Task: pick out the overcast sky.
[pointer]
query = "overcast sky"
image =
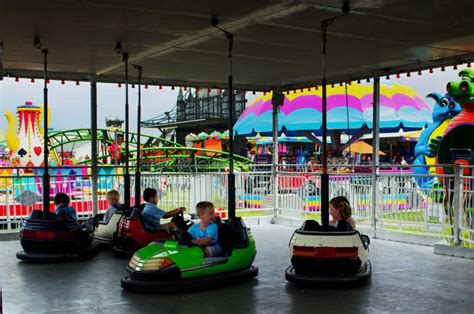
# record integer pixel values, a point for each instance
(70, 104)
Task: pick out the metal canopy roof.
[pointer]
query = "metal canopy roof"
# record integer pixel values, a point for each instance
(276, 43)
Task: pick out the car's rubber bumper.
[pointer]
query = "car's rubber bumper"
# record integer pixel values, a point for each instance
(58, 257)
(171, 285)
(317, 279)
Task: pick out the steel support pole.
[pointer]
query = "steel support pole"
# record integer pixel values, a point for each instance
(275, 110)
(375, 151)
(231, 187)
(46, 177)
(127, 141)
(139, 116)
(94, 170)
(457, 202)
(324, 175)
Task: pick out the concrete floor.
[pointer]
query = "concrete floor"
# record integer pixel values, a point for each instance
(406, 278)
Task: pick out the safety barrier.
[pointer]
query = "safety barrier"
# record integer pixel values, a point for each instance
(436, 204)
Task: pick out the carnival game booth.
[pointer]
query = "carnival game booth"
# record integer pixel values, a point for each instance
(292, 151)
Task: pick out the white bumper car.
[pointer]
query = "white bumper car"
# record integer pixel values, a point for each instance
(319, 257)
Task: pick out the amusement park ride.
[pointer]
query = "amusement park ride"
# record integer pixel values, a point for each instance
(316, 255)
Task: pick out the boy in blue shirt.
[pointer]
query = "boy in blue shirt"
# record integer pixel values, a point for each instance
(113, 197)
(61, 201)
(205, 233)
(152, 214)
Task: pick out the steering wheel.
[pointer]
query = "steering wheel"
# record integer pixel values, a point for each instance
(183, 236)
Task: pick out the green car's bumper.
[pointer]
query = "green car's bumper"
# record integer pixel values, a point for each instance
(171, 281)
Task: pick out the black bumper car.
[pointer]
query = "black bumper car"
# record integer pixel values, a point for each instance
(49, 238)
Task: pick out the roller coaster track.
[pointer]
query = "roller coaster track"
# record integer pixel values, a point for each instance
(155, 151)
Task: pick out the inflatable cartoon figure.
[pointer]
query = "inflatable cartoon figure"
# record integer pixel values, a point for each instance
(458, 134)
(26, 142)
(444, 110)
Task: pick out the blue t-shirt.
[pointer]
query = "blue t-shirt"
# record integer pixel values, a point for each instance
(210, 231)
(68, 209)
(151, 216)
(110, 212)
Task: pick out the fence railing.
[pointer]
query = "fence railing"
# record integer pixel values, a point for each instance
(427, 203)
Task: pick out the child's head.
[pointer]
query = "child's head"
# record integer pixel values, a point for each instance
(113, 197)
(340, 208)
(61, 199)
(205, 211)
(150, 196)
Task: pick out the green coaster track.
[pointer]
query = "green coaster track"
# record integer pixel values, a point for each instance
(156, 153)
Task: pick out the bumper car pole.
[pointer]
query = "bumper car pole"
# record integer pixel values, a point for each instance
(119, 49)
(139, 113)
(325, 176)
(46, 178)
(231, 176)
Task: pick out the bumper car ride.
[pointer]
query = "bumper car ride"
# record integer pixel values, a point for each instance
(171, 266)
(328, 257)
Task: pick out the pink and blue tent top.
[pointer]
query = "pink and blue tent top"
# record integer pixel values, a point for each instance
(401, 107)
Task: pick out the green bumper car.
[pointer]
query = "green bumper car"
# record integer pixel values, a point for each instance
(170, 266)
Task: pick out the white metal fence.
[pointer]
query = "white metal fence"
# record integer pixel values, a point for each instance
(437, 205)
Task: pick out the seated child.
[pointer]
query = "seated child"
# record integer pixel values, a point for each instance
(113, 197)
(61, 201)
(205, 233)
(340, 211)
(152, 214)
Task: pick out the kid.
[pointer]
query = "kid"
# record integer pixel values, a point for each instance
(205, 233)
(113, 197)
(152, 214)
(340, 211)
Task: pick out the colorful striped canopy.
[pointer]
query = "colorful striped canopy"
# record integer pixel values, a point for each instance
(400, 107)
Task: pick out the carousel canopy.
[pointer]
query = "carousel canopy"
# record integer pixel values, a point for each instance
(400, 107)
(276, 43)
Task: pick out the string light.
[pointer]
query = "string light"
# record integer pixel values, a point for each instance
(419, 72)
(455, 67)
(340, 84)
(17, 79)
(133, 85)
(332, 85)
(32, 80)
(264, 93)
(442, 69)
(387, 77)
(47, 81)
(368, 80)
(317, 87)
(309, 89)
(358, 81)
(77, 83)
(172, 87)
(431, 71)
(146, 86)
(253, 92)
(408, 74)
(469, 65)
(398, 75)
(119, 85)
(63, 82)
(160, 87)
(185, 88)
(208, 90)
